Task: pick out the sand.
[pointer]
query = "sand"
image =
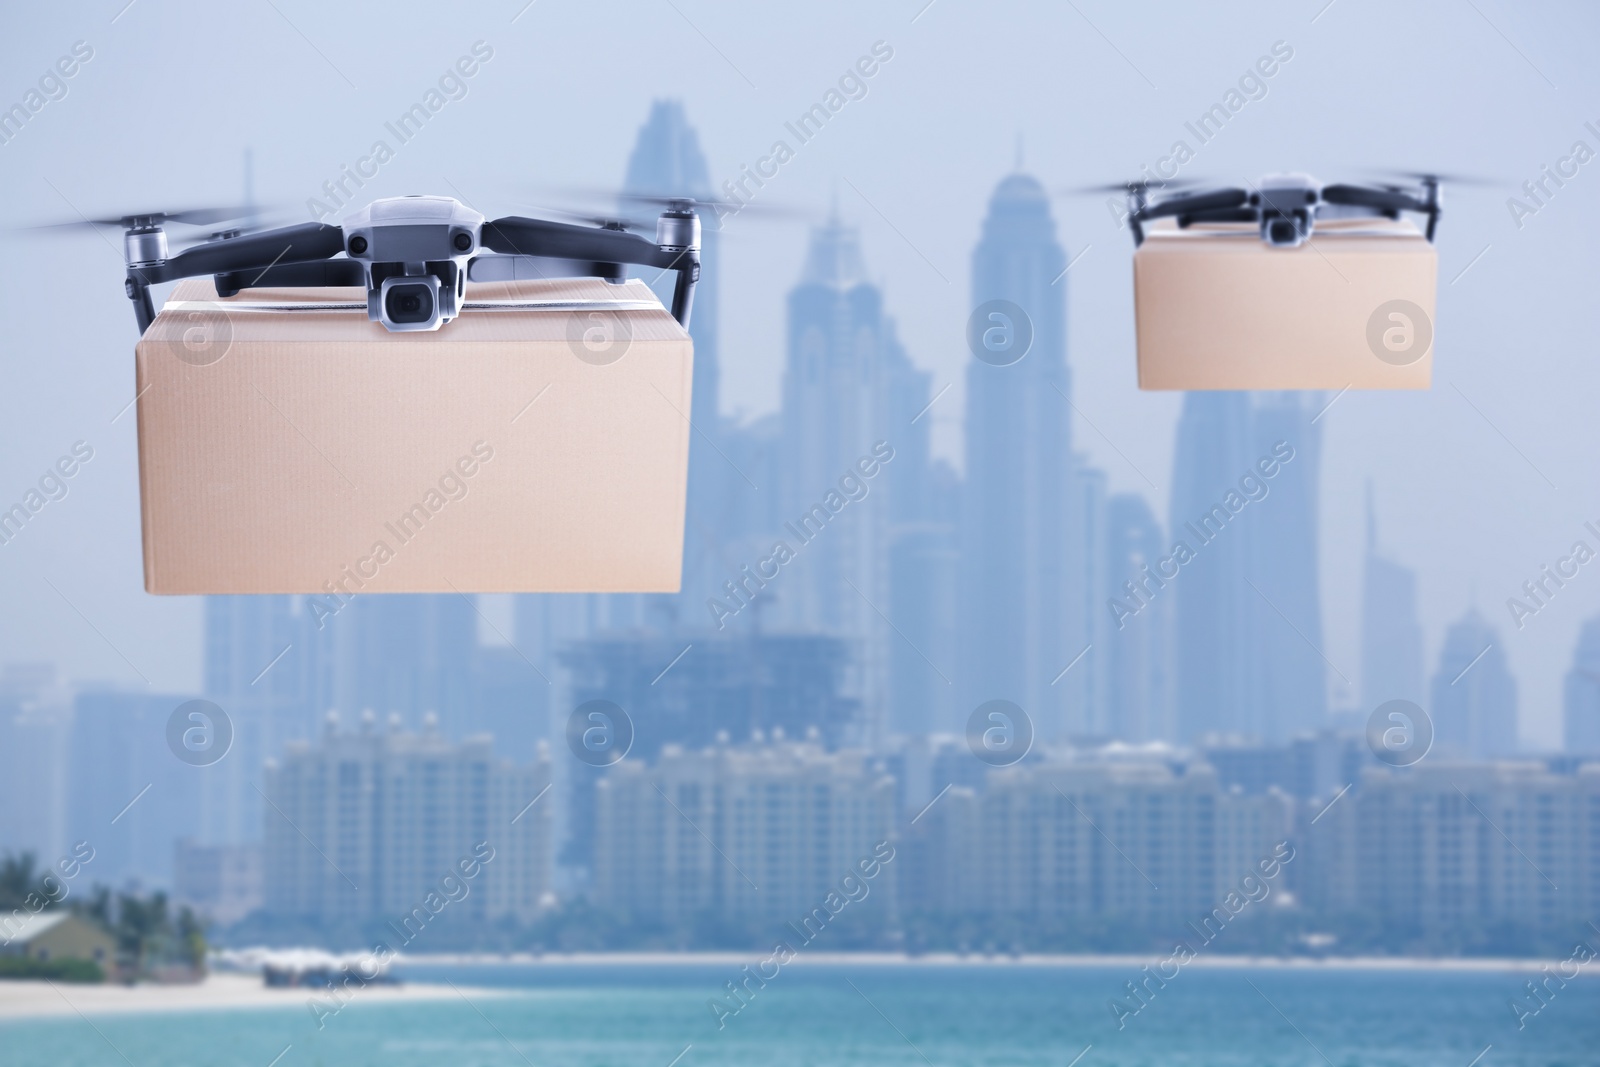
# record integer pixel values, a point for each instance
(41, 999)
(38, 999)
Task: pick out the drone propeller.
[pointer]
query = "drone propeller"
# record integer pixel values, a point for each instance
(1470, 180)
(1134, 185)
(204, 216)
(716, 206)
(614, 221)
(709, 208)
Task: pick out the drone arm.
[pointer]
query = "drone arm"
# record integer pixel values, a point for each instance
(1231, 214)
(250, 256)
(315, 272)
(516, 235)
(560, 240)
(1220, 200)
(1378, 199)
(292, 244)
(1387, 200)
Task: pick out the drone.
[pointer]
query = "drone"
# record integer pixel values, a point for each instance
(1285, 207)
(412, 254)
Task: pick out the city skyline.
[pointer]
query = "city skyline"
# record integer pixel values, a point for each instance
(923, 541)
(973, 683)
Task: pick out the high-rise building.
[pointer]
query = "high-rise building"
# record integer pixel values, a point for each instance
(849, 395)
(1135, 840)
(1138, 646)
(1474, 705)
(761, 831)
(924, 570)
(1582, 711)
(1447, 845)
(365, 825)
(1019, 620)
(260, 669)
(408, 654)
(667, 160)
(1248, 645)
(688, 689)
(1391, 636)
(511, 701)
(130, 796)
(1292, 687)
(691, 687)
(1215, 610)
(36, 774)
(220, 882)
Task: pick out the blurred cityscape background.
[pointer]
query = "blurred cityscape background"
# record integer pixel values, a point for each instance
(785, 720)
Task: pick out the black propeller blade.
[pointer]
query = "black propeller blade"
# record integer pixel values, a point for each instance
(708, 207)
(1471, 180)
(204, 216)
(1130, 186)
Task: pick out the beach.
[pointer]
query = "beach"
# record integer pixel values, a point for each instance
(236, 991)
(218, 992)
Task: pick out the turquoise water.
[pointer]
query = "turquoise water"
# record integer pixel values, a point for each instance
(978, 1016)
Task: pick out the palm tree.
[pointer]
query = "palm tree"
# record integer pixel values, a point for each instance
(191, 938)
(17, 877)
(97, 907)
(141, 924)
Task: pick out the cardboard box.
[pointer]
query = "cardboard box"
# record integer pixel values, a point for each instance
(1218, 308)
(288, 445)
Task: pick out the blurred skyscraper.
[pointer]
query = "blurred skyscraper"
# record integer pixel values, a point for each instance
(259, 669)
(131, 798)
(849, 394)
(1582, 711)
(1018, 606)
(1391, 636)
(1474, 705)
(736, 682)
(732, 833)
(365, 825)
(1249, 622)
(1138, 655)
(36, 760)
(1216, 616)
(692, 687)
(667, 161)
(408, 654)
(1292, 693)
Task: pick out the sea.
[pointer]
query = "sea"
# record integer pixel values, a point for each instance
(882, 1015)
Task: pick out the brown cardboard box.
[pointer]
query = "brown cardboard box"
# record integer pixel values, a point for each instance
(1217, 308)
(538, 449)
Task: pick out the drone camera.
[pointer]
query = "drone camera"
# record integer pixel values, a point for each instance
(1288, 207)
(414, 250)
(1284, 233)
(410, 303)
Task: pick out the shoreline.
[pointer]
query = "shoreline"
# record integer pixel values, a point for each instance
(556, 960)
(29, 999)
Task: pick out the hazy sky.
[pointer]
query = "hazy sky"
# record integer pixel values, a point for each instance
(1479, 482)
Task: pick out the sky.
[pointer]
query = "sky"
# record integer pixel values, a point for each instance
(1478, 482)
